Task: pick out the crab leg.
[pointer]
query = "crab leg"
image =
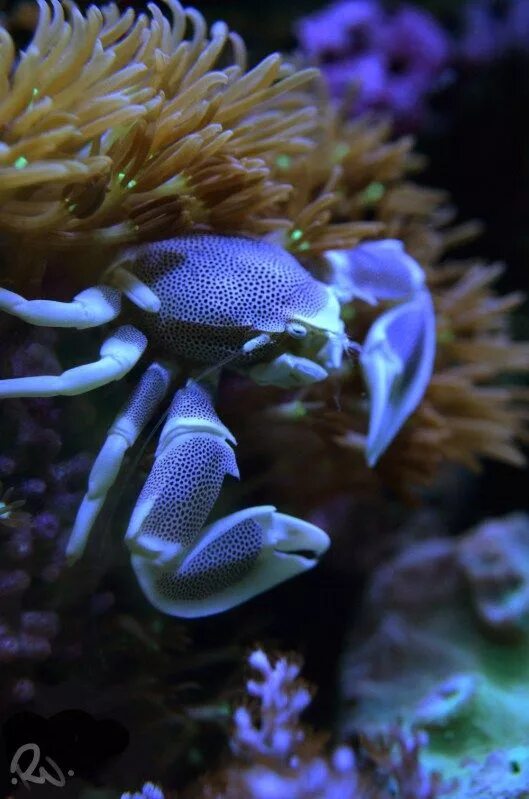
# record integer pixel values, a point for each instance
(397, 356)
(235, 559)
(92, 307)
(119, 354)
(133, 288)
(139, 408)
(184, 568)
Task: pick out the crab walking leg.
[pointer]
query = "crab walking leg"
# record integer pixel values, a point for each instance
(139, 408)
(184, 568)
(119, 354)
(92, 307)
(135, 289)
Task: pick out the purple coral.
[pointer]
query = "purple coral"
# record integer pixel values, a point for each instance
(149, 791)
(32, 538)
(279, 758)
(271, 741)
(394, 59)
(282, 699)
(489, 31)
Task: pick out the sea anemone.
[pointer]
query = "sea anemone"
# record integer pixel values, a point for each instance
(357, 183)
(116, 127)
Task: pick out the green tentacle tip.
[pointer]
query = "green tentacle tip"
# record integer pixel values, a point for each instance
(373, 193)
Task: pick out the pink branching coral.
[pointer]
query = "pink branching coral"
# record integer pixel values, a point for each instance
(278, 758)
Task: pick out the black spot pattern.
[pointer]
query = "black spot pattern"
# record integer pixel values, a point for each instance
(218, 566)
(130, 335)
(111, 296)
(193, 401)
(147, 395)
(187, 479)
(217, 292)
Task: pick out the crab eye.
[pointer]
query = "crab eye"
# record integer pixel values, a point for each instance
(296, 330)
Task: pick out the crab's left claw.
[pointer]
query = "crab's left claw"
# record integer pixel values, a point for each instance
(237, 558)
(397, 361)
(188, 569)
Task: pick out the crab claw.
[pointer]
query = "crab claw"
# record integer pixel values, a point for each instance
(187, 569)
(378, 271)
(182, 488)
(397, 361)
(236, 558)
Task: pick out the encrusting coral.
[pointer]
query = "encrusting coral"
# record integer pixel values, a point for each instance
(44, 485)
(444, 647)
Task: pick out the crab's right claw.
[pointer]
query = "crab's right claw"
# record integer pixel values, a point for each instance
(236, 558)
(397, 361)
(375, 271)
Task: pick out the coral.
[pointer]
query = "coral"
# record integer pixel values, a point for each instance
(393, 60)
(278, 758)
(282, 698)
(31, 540)
(490, 31)
(445, 648)
(149, 791)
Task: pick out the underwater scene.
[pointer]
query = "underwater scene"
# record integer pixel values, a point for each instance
(264, 399)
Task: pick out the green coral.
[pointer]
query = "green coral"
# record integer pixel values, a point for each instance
(450, 654)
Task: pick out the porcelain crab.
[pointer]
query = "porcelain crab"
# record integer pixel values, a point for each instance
(201, 302)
